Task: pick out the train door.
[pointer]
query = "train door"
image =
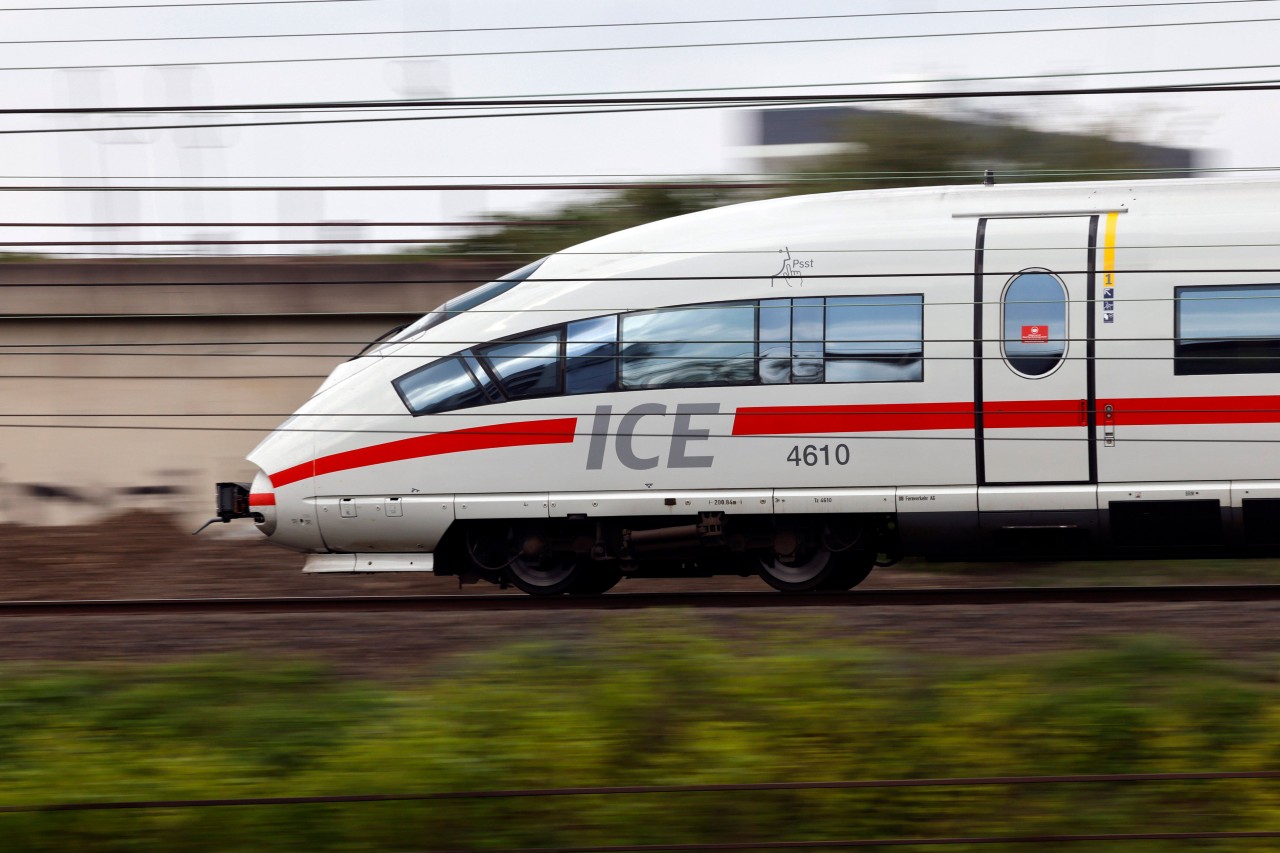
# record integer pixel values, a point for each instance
(1033, 376)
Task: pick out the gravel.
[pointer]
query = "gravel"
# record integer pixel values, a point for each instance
(145, 555)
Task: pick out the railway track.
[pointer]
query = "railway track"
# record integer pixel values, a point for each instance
(930, 597)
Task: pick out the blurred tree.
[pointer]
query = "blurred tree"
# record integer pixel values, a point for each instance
(880, 150)
(893, 149)
(531, 236)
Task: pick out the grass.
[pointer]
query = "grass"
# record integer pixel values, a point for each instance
(659, 701)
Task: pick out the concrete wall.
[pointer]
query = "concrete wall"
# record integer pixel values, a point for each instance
(181, 370)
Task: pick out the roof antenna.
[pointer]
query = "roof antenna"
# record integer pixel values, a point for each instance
(989, 178)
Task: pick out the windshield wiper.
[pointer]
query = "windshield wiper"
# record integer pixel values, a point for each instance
(379, 339)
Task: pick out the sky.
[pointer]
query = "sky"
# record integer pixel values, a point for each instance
(871, 53)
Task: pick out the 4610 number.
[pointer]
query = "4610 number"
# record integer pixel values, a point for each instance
(813, 454)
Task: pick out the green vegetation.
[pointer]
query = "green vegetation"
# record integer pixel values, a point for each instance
(888, 149)
(896, 149)
(661, 701)
(537, 235)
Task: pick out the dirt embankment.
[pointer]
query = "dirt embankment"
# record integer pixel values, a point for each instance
(146, 556)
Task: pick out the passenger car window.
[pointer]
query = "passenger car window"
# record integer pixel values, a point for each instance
(775, 341)
(702, 345)
(1034, 339)
(1227, 329)
(526, 367)
(875, 338)
(842, 339)
(591, 356)
(439, 387)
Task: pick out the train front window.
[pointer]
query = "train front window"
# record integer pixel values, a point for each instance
(439, 387)
(591, 356)
(698, 345)
(526, 367)
(1227, 329)
(1034, 339)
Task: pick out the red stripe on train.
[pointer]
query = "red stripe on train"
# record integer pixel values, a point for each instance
(1166, 411)
(262, 499)
(521, 434)
(784, 420)
(1004, 414)
(1029, 414)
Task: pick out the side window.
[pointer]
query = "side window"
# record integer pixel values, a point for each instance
(439, 387)
(1034, 310)
(842, 339)
(1227, 329)
(591, 356)
(526, 367)
(875, 339)
(702, 345)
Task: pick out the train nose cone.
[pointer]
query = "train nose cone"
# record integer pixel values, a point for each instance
(262, 501)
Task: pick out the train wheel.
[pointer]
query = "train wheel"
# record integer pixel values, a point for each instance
(833, 565)
(550, 575)
(536, 569)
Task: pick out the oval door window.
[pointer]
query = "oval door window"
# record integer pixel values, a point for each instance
(1034, 310)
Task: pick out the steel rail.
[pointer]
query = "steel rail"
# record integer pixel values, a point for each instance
(929, 597)
(613, 790)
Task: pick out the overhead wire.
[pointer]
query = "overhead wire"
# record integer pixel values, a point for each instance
(632, 24)
(676, 105)
(627, 48)
(394, 104)
(179, 5)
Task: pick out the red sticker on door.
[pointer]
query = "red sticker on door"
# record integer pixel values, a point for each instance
(1035, 334)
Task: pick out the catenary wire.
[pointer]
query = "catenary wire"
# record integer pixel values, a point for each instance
(844, 438)
(628, 24)
(622, 48)
(328, 223)
(480, 309)
(172, 5)
(682, 180)
(968, 79)
(1265, 85)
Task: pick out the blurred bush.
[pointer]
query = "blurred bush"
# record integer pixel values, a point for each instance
(660, 702)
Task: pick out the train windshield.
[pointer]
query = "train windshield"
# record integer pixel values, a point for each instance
(465, 302)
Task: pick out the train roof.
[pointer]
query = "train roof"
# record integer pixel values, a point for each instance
(653, 264)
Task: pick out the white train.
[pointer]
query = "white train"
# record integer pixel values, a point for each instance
(806, 387)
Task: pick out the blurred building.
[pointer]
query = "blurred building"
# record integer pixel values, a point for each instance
(794, 139)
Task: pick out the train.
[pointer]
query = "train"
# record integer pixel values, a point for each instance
(805, 388)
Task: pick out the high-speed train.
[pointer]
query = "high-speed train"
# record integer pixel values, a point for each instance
(803, 388)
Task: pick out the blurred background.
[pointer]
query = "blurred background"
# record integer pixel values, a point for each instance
(206, 206)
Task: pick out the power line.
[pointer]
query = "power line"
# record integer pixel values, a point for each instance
(621, 48)
(197, 242)
(178, 5)
(331, 223)
(798, 177)
(620, 185)
(958, 273)
(380, 105)
(627, 24)
(671, 105)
